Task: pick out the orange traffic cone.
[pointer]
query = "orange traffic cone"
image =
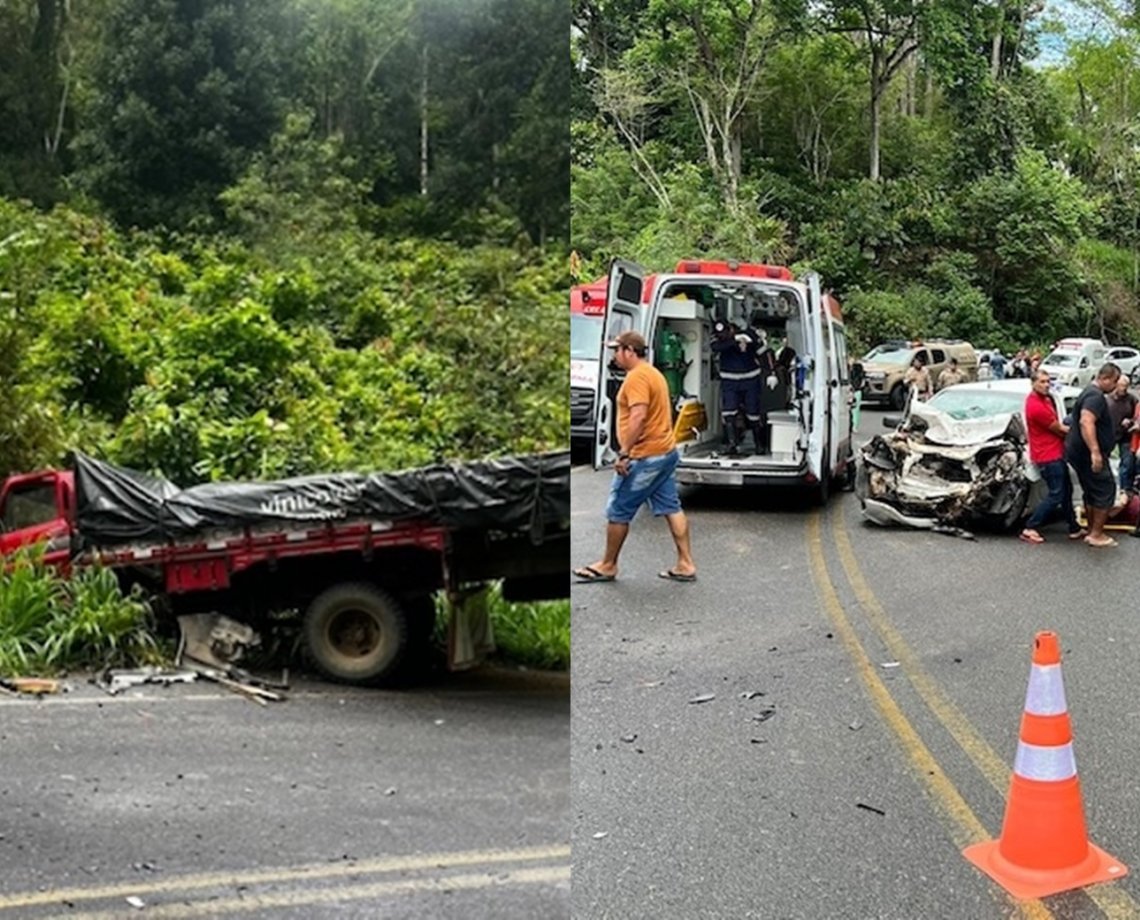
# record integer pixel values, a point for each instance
(1043, 848)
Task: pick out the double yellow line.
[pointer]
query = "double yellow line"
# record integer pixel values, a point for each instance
(296, 887)
(964, 826)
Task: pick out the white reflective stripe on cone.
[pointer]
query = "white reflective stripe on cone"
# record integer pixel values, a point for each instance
(1045, 763)
(1046, 694)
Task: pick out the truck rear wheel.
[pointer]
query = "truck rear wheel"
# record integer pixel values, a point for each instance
(356, 633)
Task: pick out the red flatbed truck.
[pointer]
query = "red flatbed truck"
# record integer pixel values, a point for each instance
(359, 556)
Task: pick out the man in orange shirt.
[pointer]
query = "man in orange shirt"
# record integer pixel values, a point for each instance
(645, 468)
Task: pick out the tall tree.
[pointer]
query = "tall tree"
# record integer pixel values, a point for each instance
(186, 90)
(889, 31)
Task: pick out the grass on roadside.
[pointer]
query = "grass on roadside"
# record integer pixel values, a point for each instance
(533, 634)
(50, 623)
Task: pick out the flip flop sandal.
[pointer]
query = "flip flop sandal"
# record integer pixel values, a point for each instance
(1107, 543)
(588, 574)
(676, 576)
(1079, 535)
(1030, 537)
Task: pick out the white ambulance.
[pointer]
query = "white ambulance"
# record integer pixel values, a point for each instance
(807, 405)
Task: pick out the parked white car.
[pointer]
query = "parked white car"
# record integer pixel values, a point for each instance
(1127, 359)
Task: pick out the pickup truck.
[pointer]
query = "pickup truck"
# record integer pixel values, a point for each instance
(358, 556)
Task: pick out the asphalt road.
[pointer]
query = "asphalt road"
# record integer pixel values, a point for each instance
(444, 801)
(863, 690)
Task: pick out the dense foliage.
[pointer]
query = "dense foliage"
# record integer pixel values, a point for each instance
(48, 621)
(249, 241)
(244, 240)
(951, 168)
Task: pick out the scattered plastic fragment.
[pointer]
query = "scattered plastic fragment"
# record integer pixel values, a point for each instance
(600, 834)
(136, 902)
(877, 811)
(703, 698)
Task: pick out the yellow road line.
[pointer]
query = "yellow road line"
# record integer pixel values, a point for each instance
(1116, 903)
(312, 871)
(965, 828)
(291, 899)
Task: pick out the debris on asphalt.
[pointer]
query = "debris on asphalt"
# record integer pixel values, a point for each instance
(630, 738)
(136, 902)
(113, 680)
(764, 714)
(759, 740)
(877, 811)
(703, 698)
(600, 834)
(751, 694)
(650, 683)
(605, 680)
(948, 531)
(37, 686)
(855, 726)
(889, 664)
(248, 688)
(391, 790)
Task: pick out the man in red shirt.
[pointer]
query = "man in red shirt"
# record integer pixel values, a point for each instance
(1046, 435)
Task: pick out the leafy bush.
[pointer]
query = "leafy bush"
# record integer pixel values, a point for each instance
(535, 634)
(52, 622)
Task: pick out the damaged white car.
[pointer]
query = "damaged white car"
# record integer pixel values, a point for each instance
(958, 462)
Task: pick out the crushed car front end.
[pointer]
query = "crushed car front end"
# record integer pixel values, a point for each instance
(936, 471)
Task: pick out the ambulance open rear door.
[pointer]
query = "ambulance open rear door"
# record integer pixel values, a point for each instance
(623, 312)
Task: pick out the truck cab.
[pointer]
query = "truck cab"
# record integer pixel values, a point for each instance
(38, 508)
(806, 406)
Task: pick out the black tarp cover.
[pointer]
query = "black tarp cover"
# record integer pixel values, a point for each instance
(529, 492)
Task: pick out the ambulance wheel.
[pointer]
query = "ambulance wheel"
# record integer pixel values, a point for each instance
(355, 633)
(898, 396)
(821, 491)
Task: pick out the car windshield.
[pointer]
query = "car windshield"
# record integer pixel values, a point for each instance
(969, 402)
(585, 336)
(1060, 359)
(889, 354)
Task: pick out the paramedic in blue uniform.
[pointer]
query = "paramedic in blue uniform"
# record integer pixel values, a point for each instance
(740, 380)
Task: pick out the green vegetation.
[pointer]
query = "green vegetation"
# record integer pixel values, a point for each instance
(50, 622)
(239, 242)
(942, 173)
(536, 635)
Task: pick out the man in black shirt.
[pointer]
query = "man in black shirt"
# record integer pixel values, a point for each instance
(1087, 448)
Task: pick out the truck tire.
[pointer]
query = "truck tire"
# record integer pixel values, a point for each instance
(355, 633)
(898, 397)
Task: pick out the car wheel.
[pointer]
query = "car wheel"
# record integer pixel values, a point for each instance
(898, 396)
(1016, 512)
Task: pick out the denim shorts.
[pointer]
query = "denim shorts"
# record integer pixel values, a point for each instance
(649, 479)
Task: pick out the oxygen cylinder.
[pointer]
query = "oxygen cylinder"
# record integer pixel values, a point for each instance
(670, 360)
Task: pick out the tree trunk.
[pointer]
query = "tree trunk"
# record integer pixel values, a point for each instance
(424, 124)
(877, 87)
